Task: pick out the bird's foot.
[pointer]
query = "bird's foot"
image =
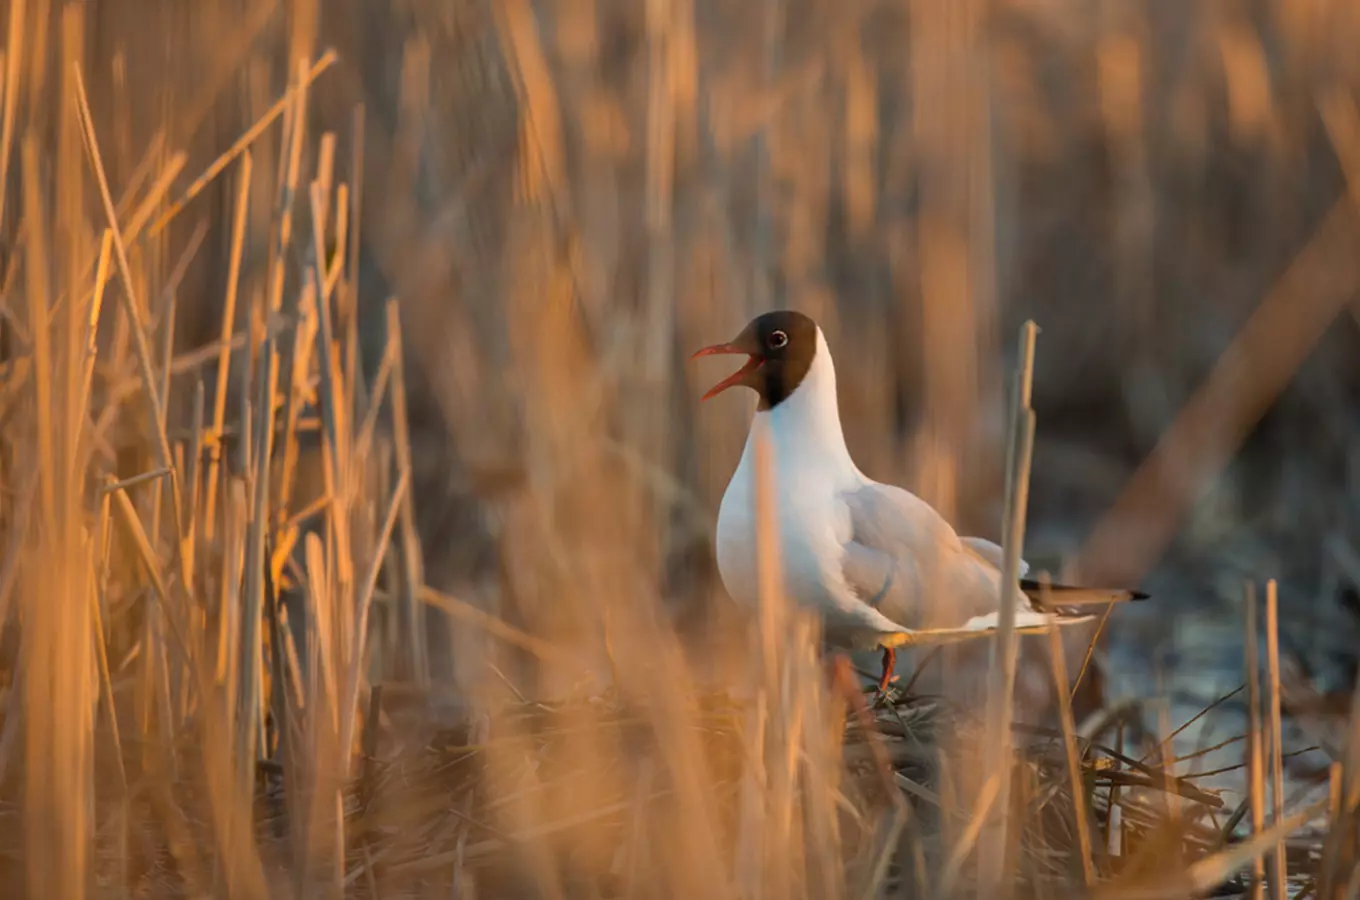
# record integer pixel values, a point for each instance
(889, 675)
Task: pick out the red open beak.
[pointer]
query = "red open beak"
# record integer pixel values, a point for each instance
(753, 362)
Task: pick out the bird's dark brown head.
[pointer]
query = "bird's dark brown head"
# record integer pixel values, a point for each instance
(780, 347)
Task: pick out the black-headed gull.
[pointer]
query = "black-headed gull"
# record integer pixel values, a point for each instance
(867, 556)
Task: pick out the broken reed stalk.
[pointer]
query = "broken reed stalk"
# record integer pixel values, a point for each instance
(1278, 866)
(1020, 448)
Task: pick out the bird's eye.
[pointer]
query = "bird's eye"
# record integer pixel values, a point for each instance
(777, 340)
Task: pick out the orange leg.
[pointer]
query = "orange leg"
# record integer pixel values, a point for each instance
(889, 663)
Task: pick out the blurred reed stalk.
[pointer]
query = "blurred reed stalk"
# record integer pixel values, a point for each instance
(1279, 872)
(1005, 649)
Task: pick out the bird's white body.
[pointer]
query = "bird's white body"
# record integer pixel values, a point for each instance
(874, 560)
(810, 457)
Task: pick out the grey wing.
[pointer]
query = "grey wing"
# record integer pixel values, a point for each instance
(905, 560)
(991, 552)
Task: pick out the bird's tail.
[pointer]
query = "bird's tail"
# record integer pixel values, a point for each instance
(1058, 598)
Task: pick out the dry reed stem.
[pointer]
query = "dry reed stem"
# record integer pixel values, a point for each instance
(1090, 651)
(249, 738)
(1058, 664)
(358, 652)
(194, 469)
(224, 353)
(337, 448)
(1005, 649)
(304, 343)
(413, 576)
(91, 348)
(146, 552)
(133, 481)
(349, 208)
(1278, 871)
(166, 322)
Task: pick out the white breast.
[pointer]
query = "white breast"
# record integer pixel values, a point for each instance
(811, 466)
(812, 529)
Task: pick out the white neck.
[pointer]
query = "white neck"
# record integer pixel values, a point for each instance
(808, 422)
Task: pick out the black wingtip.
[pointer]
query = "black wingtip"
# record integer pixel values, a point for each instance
(1034, 585)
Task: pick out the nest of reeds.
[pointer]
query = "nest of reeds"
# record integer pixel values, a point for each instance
(426, 816)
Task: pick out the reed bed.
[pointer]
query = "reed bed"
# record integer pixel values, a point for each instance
(286, 289)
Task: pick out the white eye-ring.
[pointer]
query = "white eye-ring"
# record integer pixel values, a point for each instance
(778, 339)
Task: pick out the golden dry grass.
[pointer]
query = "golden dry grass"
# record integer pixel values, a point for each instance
(285, 285)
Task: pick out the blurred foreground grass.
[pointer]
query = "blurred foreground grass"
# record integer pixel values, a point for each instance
(306, 590)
